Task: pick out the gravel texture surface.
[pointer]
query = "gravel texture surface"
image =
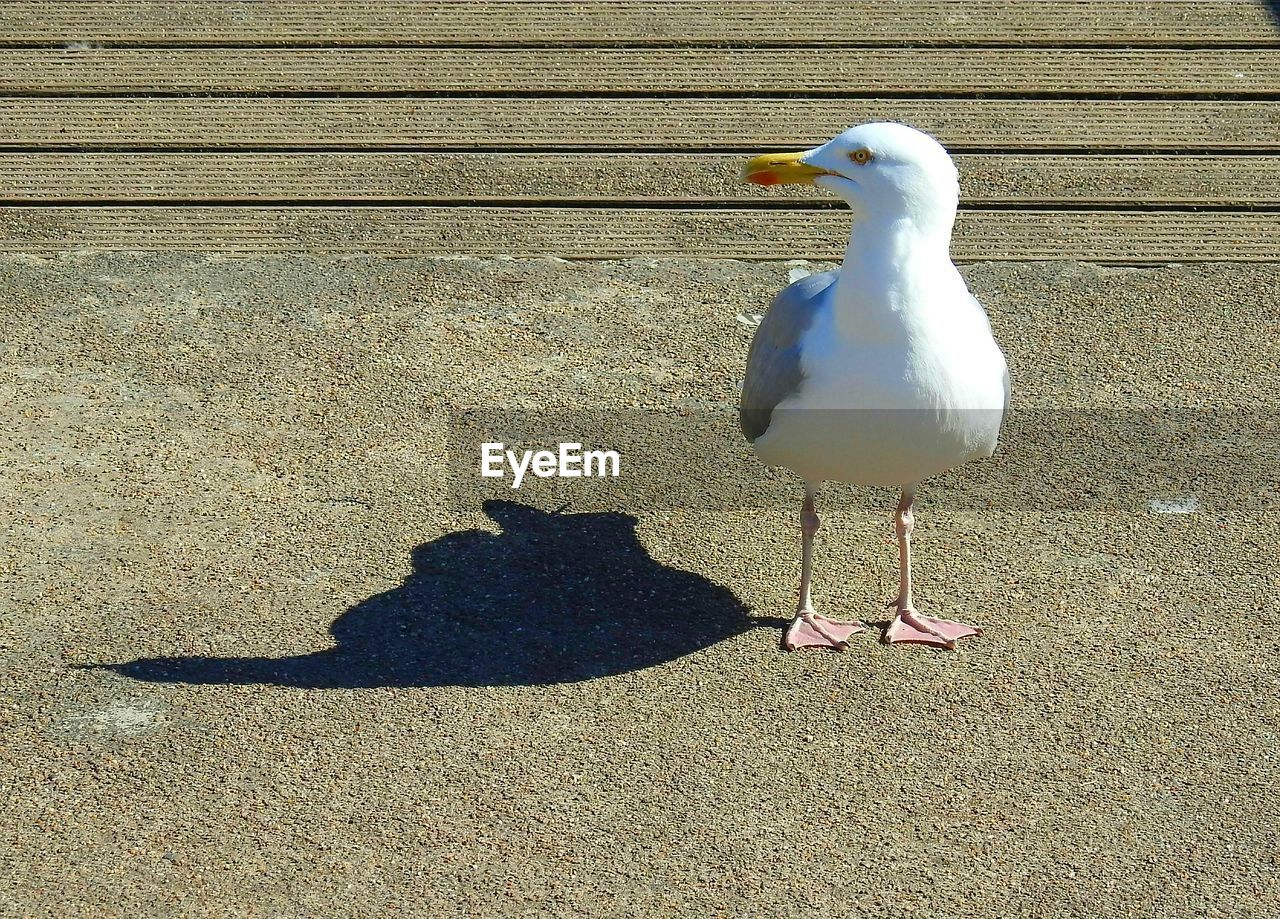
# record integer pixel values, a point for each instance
(268, 650)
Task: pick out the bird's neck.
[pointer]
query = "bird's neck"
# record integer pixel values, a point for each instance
(889, 267)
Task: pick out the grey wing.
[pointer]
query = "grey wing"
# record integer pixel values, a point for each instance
(773, 363)
(1008, 395)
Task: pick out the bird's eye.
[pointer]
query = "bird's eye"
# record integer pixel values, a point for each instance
(861, 156)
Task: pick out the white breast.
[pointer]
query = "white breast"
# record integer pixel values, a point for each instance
(894, 408)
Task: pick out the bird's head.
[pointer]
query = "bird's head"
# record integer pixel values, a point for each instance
(883, 170)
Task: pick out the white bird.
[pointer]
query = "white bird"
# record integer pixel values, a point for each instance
(884, 372)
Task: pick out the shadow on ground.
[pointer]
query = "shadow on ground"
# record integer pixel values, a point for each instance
(553, 598)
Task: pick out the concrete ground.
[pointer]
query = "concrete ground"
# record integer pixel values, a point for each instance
(269, 650)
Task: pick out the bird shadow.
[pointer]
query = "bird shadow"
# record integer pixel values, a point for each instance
(552, 598)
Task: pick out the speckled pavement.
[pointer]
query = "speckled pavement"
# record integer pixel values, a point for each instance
(267, 652)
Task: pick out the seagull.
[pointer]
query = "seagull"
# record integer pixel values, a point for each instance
(883, 372)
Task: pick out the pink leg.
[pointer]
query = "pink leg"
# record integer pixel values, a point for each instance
(909, 626)
(810, 630)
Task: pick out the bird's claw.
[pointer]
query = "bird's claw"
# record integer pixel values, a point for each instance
(909, 627)
(810, 630)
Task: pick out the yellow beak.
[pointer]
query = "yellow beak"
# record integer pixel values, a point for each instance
(781, 169)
